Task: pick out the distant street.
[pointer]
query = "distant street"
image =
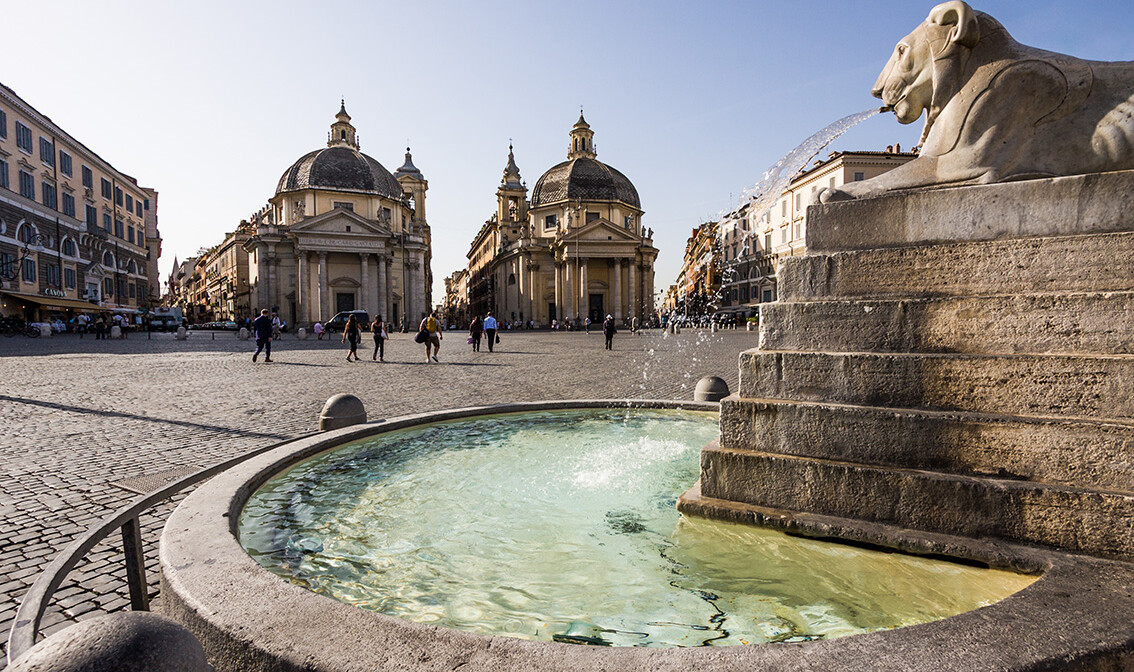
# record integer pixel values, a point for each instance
(82, 420)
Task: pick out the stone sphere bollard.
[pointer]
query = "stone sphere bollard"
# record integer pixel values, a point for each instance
(133, 641)
(711, 388)
(45, 330)
(301, 334)
(749, 326)
(181, 334)
(116, 331)
(713, 328)
(242, 334)
(341, 410)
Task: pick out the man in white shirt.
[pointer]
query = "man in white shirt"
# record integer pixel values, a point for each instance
(490, 330)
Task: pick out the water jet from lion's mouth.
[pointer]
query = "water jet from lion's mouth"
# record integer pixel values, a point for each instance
(885, 108)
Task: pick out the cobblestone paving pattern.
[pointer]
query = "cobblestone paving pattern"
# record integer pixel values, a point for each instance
(78, 414)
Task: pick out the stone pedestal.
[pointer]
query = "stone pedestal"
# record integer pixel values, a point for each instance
(116, 331)
(955, 362)
(181, 334)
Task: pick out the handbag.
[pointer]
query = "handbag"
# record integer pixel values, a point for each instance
(469, 341)
(422, 336)
(497, 338)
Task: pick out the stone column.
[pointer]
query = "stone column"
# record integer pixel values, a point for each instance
(558, 291)
(263, 279)
(648, 290)
(302, 289)
(533, 300)
(635, 305)
(273, 281)
(521, 281)
(381, 305)
(364, 298)
(584, 295)
(568, 291)
(617, 290)
(324, 290)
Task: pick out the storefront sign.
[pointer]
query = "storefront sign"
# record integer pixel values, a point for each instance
(55, 292)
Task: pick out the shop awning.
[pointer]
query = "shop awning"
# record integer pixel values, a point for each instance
(51, 301)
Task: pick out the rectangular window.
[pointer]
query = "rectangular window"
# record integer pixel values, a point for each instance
(3, 124)
(628, 222)
(783, 234)
(106, 221)
(4, 174)
(117, 196)
(107, 287)
(107, 192)
(799, 230)
(129, 202)
(549, 222)
(49, 198)
(92, 215)
(132, 291)
(142, 292)
(7, 261)
(798, 201)
(53, 275)
(783, 208)
(27, 185)
(344, 205)
(46, 151)
(68, 205)
(65, 163)
(831, 183)
(138, 209)
(130, 233)
(119, 228)
(29, 270)
(88, 178)
(859, 176)
(69, 278)
(592, 216)
(23, 137)
(768, 242)
(147, 204)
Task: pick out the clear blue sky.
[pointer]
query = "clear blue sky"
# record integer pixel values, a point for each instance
(209, 102)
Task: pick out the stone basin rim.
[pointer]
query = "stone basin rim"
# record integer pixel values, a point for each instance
(248, 618)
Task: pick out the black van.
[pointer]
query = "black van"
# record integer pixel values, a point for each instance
(338, 322)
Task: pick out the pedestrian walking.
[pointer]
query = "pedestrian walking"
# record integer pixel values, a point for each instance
(352, 332)
(634, 325)
(318, 330)
(609, 330)
(263, 327)
(476, 332)
(490, 330)
(100, 327)
(432, 330)
(379, 330)
(277, 326)
(587, 325)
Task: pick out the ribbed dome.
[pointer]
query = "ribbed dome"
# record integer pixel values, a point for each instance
(585, 179)
(340, 168)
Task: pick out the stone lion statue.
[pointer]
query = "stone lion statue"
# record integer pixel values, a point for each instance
(997, 110)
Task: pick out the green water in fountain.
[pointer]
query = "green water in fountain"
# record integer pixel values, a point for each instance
(562, 525)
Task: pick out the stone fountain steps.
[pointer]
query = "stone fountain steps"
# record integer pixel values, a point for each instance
(1059, 451)
(1080, 323)
(1092, 521)
(1078, 263)
(1073, 386)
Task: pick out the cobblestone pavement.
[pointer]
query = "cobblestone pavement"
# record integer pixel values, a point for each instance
(78, 416)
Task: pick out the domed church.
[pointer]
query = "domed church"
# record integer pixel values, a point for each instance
(577, 248)
(343, 233)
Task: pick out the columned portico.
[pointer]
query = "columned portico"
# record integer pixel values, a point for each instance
(302, 289)
(618, 290)
(324, 289)
(635, 304)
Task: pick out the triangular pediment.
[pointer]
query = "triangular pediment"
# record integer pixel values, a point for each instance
(95, 269)
(336, 222)
(601, 230)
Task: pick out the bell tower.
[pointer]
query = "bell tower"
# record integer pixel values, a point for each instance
(342, 132)
(512, 196)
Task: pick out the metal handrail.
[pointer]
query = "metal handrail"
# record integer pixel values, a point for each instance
(25, 626)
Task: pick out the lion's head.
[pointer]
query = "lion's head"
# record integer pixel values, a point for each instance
(924, 71)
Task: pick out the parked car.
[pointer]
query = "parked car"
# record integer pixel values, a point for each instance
(338, 322)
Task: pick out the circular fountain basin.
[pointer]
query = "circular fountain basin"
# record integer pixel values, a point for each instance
(562, 525)
(359, 516)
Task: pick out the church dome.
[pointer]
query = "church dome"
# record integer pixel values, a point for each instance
(340, 168)
(582, 176)
(584, 179)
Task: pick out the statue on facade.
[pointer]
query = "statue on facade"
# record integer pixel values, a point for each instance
(997, 110)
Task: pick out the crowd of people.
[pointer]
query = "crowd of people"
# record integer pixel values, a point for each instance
(430, 333)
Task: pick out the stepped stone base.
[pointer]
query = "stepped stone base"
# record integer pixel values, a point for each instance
(1082, 453)
(1094, 323)
(1075, 519)
(954, 362)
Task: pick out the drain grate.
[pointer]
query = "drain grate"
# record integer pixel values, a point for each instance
(147, 483)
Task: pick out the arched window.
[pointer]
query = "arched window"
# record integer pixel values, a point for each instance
(511, 278)
(108, 260)
(26, 233)
(68, 247)
(132, 267)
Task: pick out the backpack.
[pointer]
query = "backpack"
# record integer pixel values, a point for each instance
(431, 324)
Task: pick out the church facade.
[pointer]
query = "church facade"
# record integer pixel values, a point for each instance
(576, 248)
(342, 233)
